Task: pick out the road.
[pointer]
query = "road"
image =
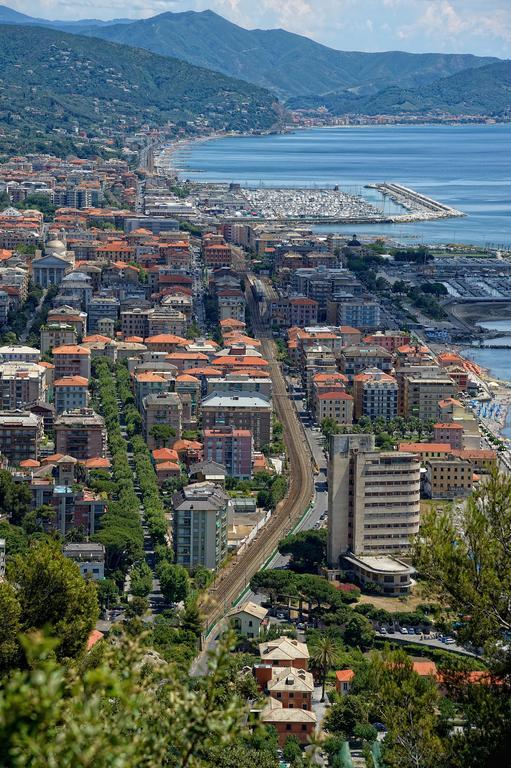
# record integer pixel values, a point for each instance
(233, 580)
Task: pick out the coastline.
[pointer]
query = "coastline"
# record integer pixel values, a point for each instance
(180, 144)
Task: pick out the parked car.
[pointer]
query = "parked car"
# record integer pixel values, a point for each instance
(418, 631)
(403, 630)
(449, 640)
(383, 631)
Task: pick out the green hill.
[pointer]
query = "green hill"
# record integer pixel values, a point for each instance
(53, 83)
(482, 91)
(286, 63)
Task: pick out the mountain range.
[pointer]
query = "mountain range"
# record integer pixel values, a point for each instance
(482, 91)
(287, 64)
(177, 66)
(53, 84)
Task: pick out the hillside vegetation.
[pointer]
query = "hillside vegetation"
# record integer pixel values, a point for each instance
(481, 91)
(53, 84)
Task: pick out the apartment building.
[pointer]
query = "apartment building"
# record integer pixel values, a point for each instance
(80, 433)
(70, 393)
(292, 687)
(70, 316)
(72, 360)
(449, 432)
(90, 558)
(297, 311)
(355, 359)
(373, 498)
(151, 383)
(389, 340)
(375, 394)
(21, 385)
(240, 383)
(100, 307)
(249, 410)
(200, 525)
(21, 433)
(448, 478)
(57, 335)
(19, 354)
(231, 447)
(422, 395)
(358, 312)
(231, 304)
(162, 408)
(336, 405)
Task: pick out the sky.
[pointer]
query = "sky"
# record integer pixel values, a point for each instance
(482, 27)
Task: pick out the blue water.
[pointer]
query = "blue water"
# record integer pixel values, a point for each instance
(467, 167)
(497, 361)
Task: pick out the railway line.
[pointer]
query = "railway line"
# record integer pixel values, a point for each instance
(235, 577)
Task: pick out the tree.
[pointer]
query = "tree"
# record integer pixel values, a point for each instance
(127, 709)
(467, 561)
(54, 597)
(307, 550)
(10, 626)
(292, 752)
(141, 580)
(407, 704)
(329, 427)
(324, 657)
(40, 202)
(276, 583)
(162, 434)
(344, 715)
(15, 538)
(174, 582)
(358, 632)
(191, 618)
(108, 593)
(15, 498)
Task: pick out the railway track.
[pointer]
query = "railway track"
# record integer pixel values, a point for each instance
(232, 580)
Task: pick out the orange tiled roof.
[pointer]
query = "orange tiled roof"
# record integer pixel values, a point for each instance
(71, 349)
(97, 463)
(165, 454)
(425, 447)
(71, 381)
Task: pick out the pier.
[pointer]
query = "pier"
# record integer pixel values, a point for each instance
(420, 207)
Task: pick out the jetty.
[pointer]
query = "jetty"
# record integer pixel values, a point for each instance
(419, 206)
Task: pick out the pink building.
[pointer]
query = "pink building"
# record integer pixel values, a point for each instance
(71, 360)
(231, 447)
(450, 432)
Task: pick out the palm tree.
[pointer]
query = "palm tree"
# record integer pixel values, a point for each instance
(324, 657)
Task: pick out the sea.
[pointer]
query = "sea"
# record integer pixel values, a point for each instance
(496, 361)
(467, 167)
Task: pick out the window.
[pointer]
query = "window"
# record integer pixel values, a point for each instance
(288, 727)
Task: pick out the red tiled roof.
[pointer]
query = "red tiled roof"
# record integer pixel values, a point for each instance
(334, 396)
(344, 675)
(71, 381)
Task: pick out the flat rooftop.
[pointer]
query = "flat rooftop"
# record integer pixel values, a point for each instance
(380, 563)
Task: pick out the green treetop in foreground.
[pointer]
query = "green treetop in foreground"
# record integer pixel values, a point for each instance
(45, 591)
(123, 707)
(467, 562)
